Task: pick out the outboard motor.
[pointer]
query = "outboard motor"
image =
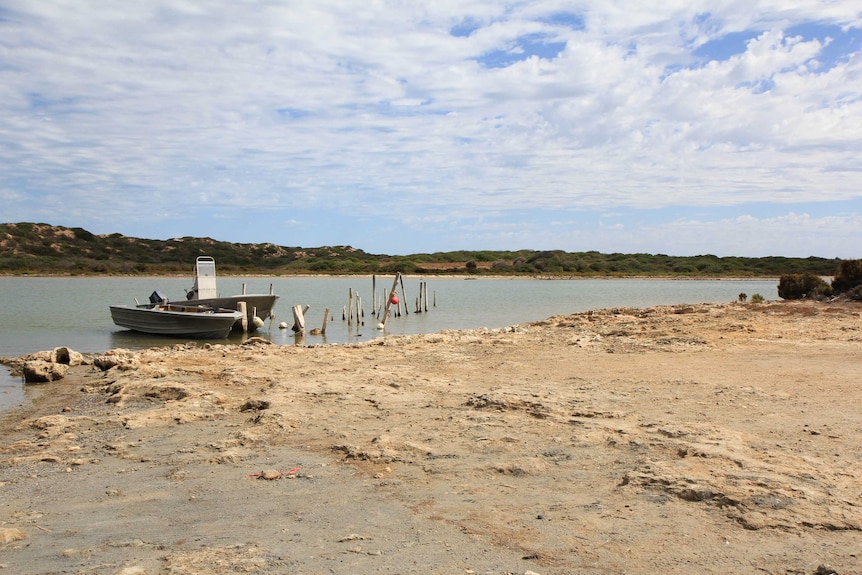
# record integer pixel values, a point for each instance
(158, 297)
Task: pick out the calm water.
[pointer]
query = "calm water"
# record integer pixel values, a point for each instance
(42, 313)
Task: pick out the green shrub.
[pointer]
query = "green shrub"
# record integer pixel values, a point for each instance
(757, 298)
(806, 285)
(849, 276)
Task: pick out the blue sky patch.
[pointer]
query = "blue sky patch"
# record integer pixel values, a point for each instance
(292, 113)
(523, 48)
(567, 19)
(842, 44)
(464, 28)
(724, 48)
(760, 86)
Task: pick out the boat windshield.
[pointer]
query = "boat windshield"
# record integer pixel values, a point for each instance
(206, 268)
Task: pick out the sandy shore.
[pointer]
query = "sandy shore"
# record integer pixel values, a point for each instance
(687, 439)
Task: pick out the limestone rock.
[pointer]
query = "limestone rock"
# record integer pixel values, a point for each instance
(40, 371)
(66, 356)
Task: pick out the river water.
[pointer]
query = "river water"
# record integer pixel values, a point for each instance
(40, 313)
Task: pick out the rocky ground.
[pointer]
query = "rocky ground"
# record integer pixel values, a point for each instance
(688, 439)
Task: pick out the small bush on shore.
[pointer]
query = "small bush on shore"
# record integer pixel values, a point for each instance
(849, 276)
(757, 298)
(799, 286)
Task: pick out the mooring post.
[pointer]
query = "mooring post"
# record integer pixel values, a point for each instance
(404, 295)
(389, 300)
(241, 306)
(299, 318)
(373, 294)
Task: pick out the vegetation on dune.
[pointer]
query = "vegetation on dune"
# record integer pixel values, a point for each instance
(30, 248)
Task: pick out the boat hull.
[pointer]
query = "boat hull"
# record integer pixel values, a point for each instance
(256, 305)
(177, 321)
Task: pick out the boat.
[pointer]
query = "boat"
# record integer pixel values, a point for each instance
(205, 293)
(160, 317)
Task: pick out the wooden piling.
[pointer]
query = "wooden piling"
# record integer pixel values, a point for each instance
(299, 318)
(373, 293)
(243, 307)
(404, 295)
(325, 318)
(389, 299)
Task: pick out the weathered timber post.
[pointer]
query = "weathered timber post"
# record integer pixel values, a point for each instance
(299, 318)
(373, 294)
(325, 318)
(242, 306)
(389, 300)
(404, 295)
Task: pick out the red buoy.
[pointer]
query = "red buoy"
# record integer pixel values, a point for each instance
(394, 299)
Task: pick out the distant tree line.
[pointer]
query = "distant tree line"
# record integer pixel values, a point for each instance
(35, 248)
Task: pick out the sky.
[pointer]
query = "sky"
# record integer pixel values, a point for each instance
(679, 127)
